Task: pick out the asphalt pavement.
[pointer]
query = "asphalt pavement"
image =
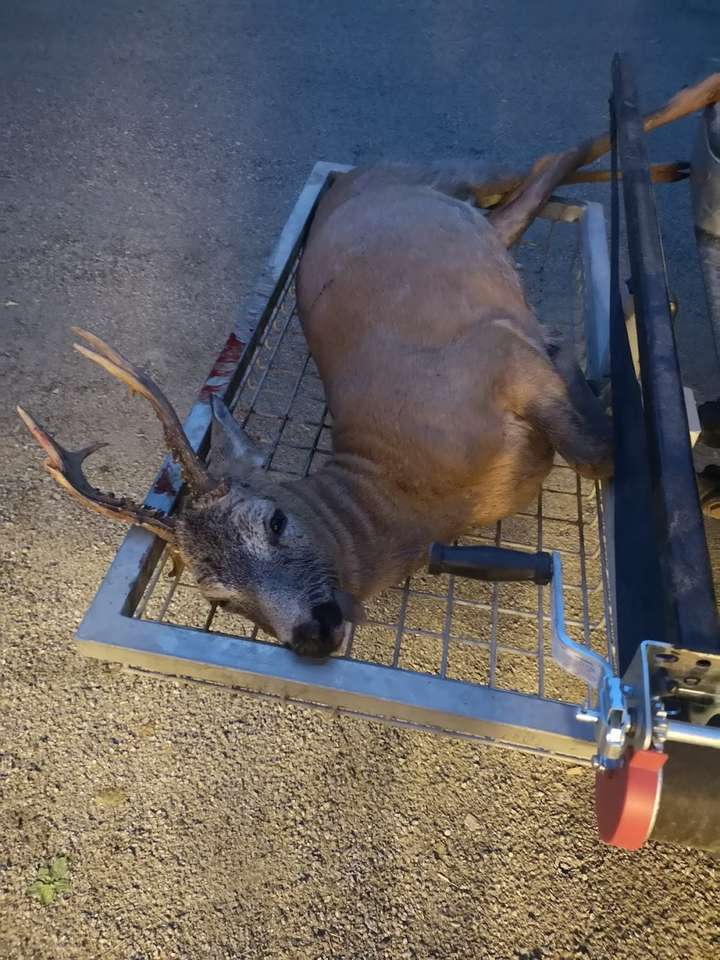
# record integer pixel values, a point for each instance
(149, 155)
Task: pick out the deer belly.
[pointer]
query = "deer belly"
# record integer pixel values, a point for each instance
(512, 481)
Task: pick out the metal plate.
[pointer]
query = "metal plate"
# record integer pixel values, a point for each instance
(689, 677)
(449, 654)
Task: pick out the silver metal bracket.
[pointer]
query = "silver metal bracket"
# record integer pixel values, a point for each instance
(610, 714)
(664, 682)
(573, 657)
(636, 711)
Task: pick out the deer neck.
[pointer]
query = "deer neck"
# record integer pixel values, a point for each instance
(378, 532)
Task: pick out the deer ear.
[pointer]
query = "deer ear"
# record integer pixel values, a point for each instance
(233, 453)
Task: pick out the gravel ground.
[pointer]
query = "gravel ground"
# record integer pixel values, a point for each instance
(149, 157)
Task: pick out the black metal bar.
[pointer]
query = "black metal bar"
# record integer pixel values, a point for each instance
(639, 613)
(495, 564)
(687, 587)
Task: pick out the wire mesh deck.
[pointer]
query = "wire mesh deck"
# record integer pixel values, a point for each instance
(435, 651)
(491, 634)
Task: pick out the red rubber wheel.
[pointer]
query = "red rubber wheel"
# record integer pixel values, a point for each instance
(626, 799)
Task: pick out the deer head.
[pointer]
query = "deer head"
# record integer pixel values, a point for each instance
(255, 546)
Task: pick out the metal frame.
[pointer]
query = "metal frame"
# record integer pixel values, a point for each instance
(705, 192)
(664, 582)
(110, 631)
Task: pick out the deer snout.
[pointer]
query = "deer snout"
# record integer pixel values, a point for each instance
(323, 634)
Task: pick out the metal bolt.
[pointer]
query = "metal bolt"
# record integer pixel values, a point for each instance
(586, 716)
(660, 723)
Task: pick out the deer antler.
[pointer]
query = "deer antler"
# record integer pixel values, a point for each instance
(65, 467)
(193, 469)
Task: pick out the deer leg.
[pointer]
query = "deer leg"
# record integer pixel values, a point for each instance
(557, 401)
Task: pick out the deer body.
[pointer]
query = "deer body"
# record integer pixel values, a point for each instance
(419, 326)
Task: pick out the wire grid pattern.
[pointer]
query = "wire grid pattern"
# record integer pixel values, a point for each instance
(492, 634)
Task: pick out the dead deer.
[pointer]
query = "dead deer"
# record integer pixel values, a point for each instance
(447, 405)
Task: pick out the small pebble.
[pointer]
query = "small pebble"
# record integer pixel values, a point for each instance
(471, 823)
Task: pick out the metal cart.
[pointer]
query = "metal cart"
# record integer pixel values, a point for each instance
(603, 648)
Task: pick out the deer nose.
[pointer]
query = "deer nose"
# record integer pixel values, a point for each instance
(322, 635)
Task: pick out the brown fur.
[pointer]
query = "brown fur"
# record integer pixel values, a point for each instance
(435, 369)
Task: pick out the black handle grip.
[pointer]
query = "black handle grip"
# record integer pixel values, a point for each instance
(490, 563)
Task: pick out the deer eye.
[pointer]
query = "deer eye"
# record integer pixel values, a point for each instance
(278, 522)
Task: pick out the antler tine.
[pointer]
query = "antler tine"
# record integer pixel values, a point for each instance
(192, 467)
(65, 467)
